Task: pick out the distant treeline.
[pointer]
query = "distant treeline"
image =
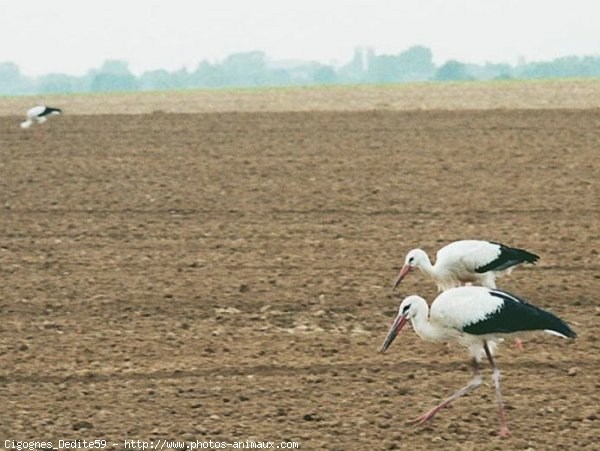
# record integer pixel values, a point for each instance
(254, 69)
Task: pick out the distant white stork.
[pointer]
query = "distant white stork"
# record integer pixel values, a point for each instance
(477, 318)
(466, 261)
(39, 114)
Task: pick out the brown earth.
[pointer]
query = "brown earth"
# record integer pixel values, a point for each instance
(227, 276)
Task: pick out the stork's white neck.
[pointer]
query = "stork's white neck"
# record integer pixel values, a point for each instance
(426, 266)
(424, 328)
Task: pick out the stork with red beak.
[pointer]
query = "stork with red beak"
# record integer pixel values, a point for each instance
(477, 318)
(467, 261)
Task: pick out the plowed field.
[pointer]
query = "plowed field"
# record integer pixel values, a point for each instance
(227, 276)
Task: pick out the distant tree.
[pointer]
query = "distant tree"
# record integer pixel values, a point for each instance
(55, 84)
(496, 72)
(182, 78)
(244, 69)
(111, 83)
(156, 80)
(161, 79)
(240, 70)
(206, 75)
(114, 75)
(414, 64)
(323, 75)
(12, 82)
(384, 69)
(570, 66)
(453, 71)
(9, 73)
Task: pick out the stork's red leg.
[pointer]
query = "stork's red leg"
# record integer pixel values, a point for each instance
(473, 384)
(496, 378)
(518, 344)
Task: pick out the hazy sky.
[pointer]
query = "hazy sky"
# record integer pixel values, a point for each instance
(72, 36)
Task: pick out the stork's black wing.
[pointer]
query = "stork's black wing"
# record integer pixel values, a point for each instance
(509, 256)
(516, 315)
(49, 110)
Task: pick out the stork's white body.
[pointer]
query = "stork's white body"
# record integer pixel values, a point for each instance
(467, 262)
(456, 311)
(455, 264)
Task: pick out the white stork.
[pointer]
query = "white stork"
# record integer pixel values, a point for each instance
(466, 261)
(477, 318)
(39, 114)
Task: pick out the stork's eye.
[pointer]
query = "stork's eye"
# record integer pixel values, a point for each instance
(411, 259)
(405, 309)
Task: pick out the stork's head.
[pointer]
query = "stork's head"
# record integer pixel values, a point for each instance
(409, 308)
(414, 259)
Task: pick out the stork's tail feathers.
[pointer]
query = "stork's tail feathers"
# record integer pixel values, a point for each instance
(560, 328)
(524, 256)
(568, 334)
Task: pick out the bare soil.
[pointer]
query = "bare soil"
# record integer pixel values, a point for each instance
(227, 276)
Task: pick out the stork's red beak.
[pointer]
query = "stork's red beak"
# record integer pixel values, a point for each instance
(397, 326)
(403, 272)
